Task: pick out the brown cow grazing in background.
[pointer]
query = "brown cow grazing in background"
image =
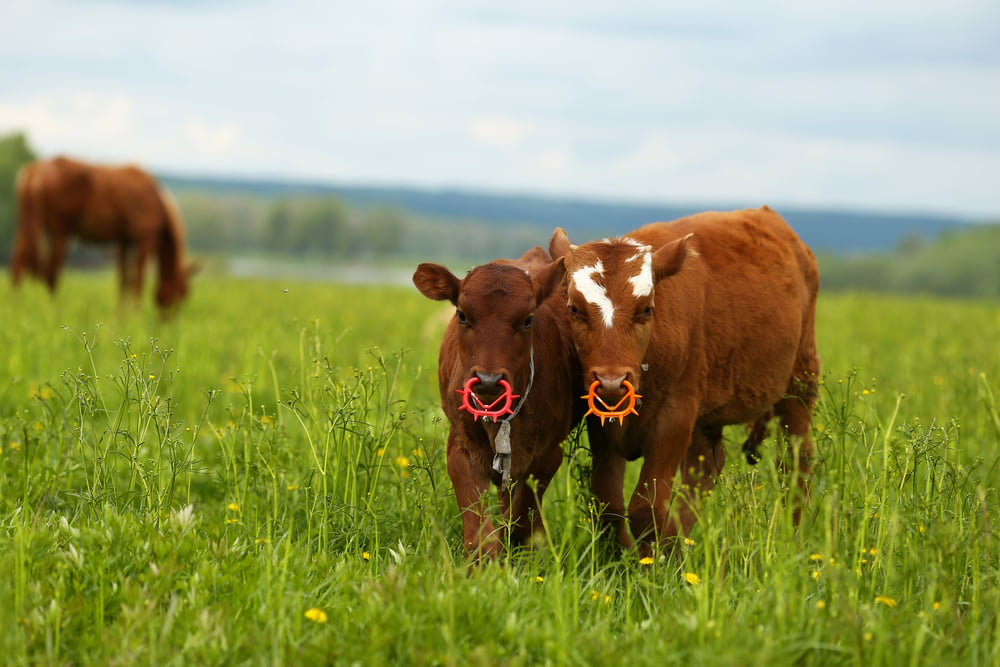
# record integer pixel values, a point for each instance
(508, 382)
(693, 324)
(61, 198)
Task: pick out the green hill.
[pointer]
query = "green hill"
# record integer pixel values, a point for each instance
(838, 231)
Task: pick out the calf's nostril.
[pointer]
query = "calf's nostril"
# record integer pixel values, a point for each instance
(488, 381)
(611, 385)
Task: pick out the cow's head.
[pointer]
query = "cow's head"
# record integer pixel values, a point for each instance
(494, 315)
(610, 298)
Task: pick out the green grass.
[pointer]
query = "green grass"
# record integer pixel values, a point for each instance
(185, 492)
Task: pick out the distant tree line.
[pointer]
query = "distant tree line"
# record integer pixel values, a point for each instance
(321, 226)
(327, 227)
(14, 152)
(964, 262)
(961, 262)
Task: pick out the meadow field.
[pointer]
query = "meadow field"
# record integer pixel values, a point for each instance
(261, 480)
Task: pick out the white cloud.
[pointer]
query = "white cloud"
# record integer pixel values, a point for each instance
(218, 140)
(498, 132)
(71, 118)
(555, 160)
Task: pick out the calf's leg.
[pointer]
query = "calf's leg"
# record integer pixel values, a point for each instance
(651, 500)
(479, 535)
(700, 469)
(525, 499)
(607, 479)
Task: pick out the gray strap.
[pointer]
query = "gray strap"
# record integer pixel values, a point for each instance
(501, 444)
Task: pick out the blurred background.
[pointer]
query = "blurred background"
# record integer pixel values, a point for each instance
(349, 141)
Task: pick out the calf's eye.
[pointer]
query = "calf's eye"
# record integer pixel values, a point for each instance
(644, 315)
(528, 322)
(461, 317)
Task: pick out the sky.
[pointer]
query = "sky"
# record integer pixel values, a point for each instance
(867, 105)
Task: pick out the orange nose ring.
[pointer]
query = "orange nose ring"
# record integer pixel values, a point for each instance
(609, 412)
(475, 405)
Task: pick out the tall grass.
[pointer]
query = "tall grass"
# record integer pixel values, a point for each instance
(262, 481)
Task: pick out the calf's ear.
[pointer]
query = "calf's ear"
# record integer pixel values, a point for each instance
(546, 281)
(559, 243)
(436, 282)
(669, 259)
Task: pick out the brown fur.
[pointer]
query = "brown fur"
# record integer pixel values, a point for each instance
(496, 300)
(729, 340)
(61, 198)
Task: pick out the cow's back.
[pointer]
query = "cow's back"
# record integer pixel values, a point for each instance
(745, 297)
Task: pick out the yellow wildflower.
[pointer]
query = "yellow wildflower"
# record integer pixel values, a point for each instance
(816, 557)
(646, 560)
(692, 578)
(821, 604)
(887, 601)
(233, 507)
(366, 555)
(402, 461)
(15, 445)
(316, 615)
(292, 487)
(266, 420)
(539, 579)
(688, 541)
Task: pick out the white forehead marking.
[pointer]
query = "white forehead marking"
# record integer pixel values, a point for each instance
(583, 280)
(642, 282)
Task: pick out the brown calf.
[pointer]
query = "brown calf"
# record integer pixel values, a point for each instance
(701, 322)
(508, 382)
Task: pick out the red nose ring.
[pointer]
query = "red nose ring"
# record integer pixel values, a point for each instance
(475, 405)
(611, 412)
